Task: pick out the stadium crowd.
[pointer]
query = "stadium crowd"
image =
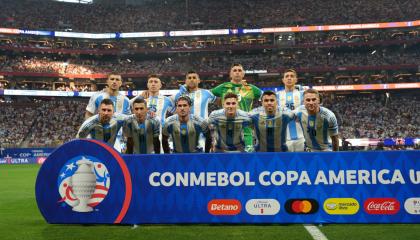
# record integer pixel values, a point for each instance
(180, 14)
(271, 61)
(40, 123)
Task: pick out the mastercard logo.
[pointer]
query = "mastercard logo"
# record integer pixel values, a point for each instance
(301, 206)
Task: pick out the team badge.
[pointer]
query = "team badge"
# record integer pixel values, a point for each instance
(183, 131)
(312, 123)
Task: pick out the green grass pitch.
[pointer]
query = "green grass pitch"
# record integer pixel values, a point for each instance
(20, 219)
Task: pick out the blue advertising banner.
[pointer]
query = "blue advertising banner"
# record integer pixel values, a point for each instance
(24, 155)
(86, 181)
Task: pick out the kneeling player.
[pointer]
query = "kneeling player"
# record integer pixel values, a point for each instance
(185, 129)
(103, 126)
(142, 131)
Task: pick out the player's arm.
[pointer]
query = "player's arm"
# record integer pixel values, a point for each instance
(165, 143)
(248, 139)
(207, 134)
(333, 130)
(84, 130)
(334, 140)
(88, 115)
(130, 145)
(156, 144)
(257, 92)
(91, 107)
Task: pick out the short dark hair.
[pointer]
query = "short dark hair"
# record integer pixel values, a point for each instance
(185, 98)
(268, 93)
(311, 90)
(191, 72)
(230, 95)
(113, 73)
(290, 70)
(152, 75)
(236, 65)
(139, 99)
(107, 101)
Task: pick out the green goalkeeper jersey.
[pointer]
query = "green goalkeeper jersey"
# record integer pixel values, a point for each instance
(246, 93)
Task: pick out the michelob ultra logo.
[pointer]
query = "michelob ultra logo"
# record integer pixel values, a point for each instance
(301, 206)
(341, 206)
(224, 207)
(262, 206)
(412, 205)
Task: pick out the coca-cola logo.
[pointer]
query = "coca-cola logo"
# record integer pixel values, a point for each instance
(382, 206)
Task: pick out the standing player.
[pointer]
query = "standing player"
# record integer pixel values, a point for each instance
(185, 129)
(246, 93)
(200, 98)
(231, 127)
(319, 123)
(142, 131)
(103, 126)
(121, 102)
(156, 102)
(292, 98)
(270, 124)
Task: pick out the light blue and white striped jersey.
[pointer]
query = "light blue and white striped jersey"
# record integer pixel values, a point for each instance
(318, 128)
(142, 133)
(185, 135)
(291, 100)
(229, 132)
(160, 105)
(200, 100)
(121, 102)
(270, 131)
(104, 132)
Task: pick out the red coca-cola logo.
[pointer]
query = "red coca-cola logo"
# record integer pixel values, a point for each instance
(382, 206)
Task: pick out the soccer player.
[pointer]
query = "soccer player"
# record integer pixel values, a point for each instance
(200, 98)
(103, 126)
(246, 93)
(185, 129)
(270, 124)
(121, 102)
(292, 98)
(141, 130)
(318, 123)
(231, 127)
(156, 102)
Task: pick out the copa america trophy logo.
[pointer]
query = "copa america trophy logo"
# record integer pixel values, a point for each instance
(83, 183)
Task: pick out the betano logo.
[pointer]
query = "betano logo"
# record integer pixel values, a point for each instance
(262, 206)
(224, 207)
(301, 206)
(412, 205)
(341, 206)
(381, 206)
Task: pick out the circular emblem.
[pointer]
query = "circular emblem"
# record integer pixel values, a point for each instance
(83, 183)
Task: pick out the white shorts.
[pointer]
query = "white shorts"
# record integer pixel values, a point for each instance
(296, 145)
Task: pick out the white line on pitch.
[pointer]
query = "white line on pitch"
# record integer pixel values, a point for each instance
(315, 232)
